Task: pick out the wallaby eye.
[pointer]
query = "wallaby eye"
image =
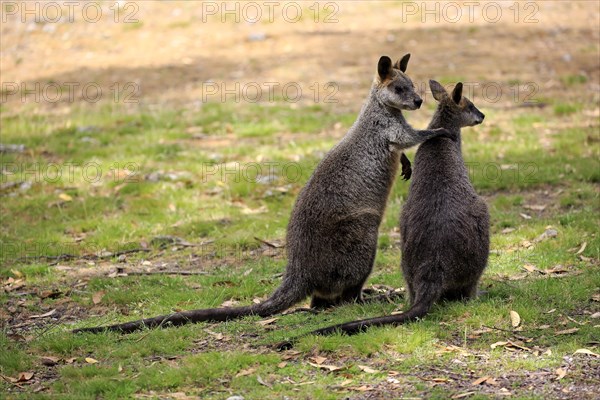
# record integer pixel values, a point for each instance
(398, 89)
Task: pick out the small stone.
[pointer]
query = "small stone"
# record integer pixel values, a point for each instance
(257, 37)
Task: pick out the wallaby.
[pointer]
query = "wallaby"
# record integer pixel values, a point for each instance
(332, 233)
(444, 224)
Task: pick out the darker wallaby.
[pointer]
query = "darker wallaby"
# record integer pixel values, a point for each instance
(332, 233)
(444, 224)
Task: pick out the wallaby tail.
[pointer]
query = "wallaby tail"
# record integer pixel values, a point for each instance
(350, 328)
(428, 297)
(285, 296)
(427, 294)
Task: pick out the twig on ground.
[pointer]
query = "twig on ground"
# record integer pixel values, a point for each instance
(170, 272)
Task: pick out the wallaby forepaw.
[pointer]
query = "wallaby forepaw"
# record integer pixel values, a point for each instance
(406, 167)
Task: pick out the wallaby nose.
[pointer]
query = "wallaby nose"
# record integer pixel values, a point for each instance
(418, 103)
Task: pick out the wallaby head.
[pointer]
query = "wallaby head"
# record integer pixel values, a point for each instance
(393, 87)
(458, 110)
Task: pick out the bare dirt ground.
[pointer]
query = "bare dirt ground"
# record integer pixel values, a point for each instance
(175, 48)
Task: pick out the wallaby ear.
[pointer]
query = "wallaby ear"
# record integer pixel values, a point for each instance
(402, 63)
(457, 92)
(438, 91)
(384, 67)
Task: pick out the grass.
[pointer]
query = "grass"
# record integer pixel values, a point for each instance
(110, 179)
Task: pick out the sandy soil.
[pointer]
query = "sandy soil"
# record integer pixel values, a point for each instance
(181, 52)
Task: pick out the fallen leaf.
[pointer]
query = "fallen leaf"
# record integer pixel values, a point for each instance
(515, 319)
(218, 336)
(260, 380)
(65, 197)
(462, 395)
(273, 244)
(586, 351)
(24, 376)
(557, 269)
(367, 369)
(560, 373)
(530, 268)
(290, 354)
(251, 211)
(97, 297)
(266, 322)
(507, 230)
(70, 360)
(282, 364)
(527, 244)
(329, 368)
(181, 396)
(567, 331)
(363, 388)
(9, 378)
(318, 359)
(479, 381)
(534, 207)
(229, 303)
(90, 360)
(512, 346)
(524, 216)
(49, 313)
(304, 383)
(16, 273)
(581, 249)
(245, 372)
(436, 380)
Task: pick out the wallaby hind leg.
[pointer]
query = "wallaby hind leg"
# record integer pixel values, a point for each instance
(320, 303)
(349, 295)
(462, 294)
(454, 295)
(352, 295)
(470, 292)
(411, 293)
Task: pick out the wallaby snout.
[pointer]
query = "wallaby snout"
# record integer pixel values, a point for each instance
(480, 118)
(418, 102)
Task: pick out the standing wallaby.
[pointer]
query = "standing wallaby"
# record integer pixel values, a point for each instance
(332, 233)
(444, 224)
